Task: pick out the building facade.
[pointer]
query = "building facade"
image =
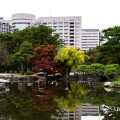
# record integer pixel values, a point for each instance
(68, 28)
(89, 38)
(21, 20)
(4, 26)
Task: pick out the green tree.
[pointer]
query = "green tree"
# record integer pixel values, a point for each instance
(112, 71)
(110, 50)
(93, 53)
(41, 35)
(23, 56)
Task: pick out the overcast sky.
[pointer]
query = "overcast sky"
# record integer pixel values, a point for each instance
(95, 13)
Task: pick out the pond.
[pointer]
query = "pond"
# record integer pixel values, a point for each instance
(81, 102)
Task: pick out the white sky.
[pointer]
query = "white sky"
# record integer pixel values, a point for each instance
(95, 13)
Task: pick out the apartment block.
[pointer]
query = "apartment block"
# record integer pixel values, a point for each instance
(69, 28)
(89, 38)
(4, 26)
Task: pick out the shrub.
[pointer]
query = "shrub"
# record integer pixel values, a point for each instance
(29, 73)
(117, 81)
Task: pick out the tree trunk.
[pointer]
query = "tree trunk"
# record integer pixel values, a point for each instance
(67, 78)
(21, 65)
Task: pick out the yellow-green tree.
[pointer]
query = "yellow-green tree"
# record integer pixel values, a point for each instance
(71, 58)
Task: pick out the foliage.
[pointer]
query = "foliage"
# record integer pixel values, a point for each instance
(85, 69)
(117, 81)
(10, 41)
(3, 57)
(44, 58)
(93, 53)
(44, 51)
(109, 51)
(23, 56)
(29, 73)
(41, 35)
(95, 68)
(110, 71)
(18, 107)
(71, 58)
(36, 35)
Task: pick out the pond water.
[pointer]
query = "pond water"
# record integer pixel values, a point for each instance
(81, 102)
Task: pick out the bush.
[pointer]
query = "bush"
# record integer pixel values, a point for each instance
(117, 81)
(29, 73)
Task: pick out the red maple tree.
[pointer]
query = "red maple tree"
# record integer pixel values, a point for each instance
(44, 58)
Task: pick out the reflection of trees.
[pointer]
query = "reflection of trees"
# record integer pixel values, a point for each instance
(20, 108)
(111, 100)
(111, 112)
(72, 99)
(99, 96)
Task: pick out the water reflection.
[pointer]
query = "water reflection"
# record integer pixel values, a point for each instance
(80, 103)
(72, 99)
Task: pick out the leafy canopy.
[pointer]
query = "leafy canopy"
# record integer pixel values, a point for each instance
(71, 57)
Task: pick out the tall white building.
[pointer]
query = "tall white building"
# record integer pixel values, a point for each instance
(22, 20)
(69, 28)
(4, 26)
(89, 38)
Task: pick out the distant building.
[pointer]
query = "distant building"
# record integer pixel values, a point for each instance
(69, 28)
(21, 20)
(89, 38)
(4, 26)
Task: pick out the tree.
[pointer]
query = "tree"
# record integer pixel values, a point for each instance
(44, 58)
(112, 71)
(110, 50)
(93, 53)
(3, 57)
(41, 35)
(23, 56)
(71, 58)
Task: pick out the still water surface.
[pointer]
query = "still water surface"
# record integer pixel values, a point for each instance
(54, 103)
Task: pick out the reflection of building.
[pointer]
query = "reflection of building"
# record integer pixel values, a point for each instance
(69, 28)
(85, 110)
(88, 109)
(5, 118)
(22, 20)
(4, 26)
